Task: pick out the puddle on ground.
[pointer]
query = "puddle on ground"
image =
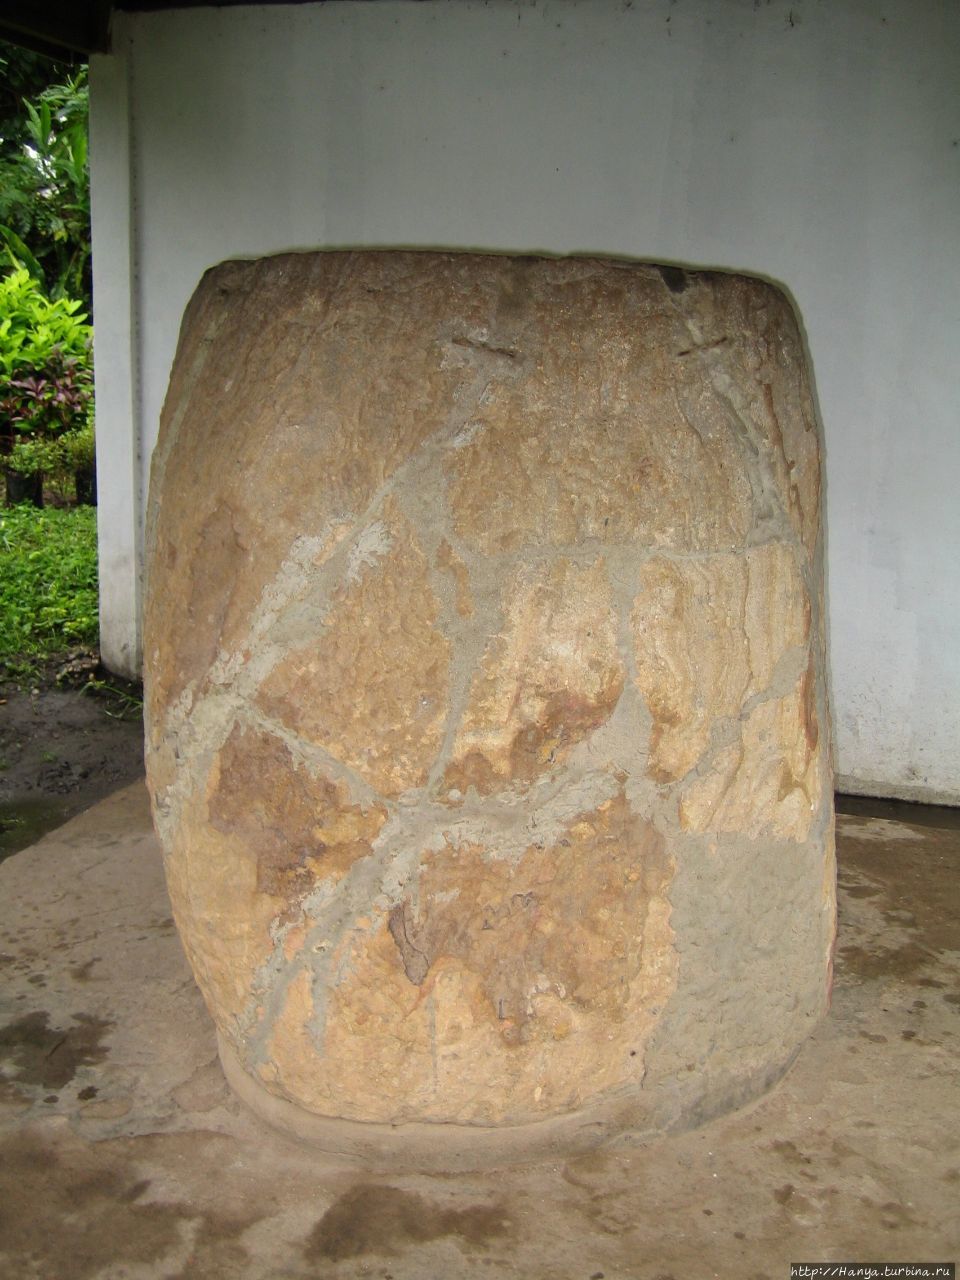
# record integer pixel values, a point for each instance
(384, 1220)
(73, 1210)
(907, 878)
(49, 1057)
(22, 824)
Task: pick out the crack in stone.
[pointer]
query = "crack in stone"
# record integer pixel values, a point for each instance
(509, 352)
(415, 964)
(700, 348)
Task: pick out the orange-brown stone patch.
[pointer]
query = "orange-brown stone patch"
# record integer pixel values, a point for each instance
(301, 828)
(371, 686)
(283, 380)
(504, 992)
(567, 918)
(708, 634)
(641, 473)
(549, 680)
(769, 363)
(769, 783)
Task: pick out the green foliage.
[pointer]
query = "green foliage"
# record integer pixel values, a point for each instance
(23, 74)
(48, 400)
(56, 458)
(79, 446)
(34, 328)
(35, 455)
(128, 705)
(44, 179)
(48, 582)
(46, 382)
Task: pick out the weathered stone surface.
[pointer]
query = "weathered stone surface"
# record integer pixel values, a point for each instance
(564, 957)
(709, 634)
(549, 679)
(484, 651)
(770, 781)
(299, 828)
(377, 658)
(528, 472)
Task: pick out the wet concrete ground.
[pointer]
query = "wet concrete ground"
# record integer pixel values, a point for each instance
(63, 746)
(124, 1157)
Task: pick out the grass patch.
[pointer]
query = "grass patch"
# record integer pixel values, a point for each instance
(48, 582)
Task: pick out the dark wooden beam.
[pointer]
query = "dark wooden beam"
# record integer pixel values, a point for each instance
(141, 6)
(73, 29)
(64, 29)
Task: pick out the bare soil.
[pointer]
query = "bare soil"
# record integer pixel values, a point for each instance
(69, 735)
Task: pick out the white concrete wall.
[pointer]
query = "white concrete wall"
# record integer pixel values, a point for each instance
(117, 369)
(814, 143)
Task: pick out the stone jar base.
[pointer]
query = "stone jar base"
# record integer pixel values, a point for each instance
(458, 1148)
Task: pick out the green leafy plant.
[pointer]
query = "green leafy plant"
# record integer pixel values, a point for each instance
(51, 400)
(23, 74)
(80, 453)
(63, 461)
(36, 455)
(127, 705)
(48, 582)
(36, 330)
(44, 181)
(79, 446)
(46, 382)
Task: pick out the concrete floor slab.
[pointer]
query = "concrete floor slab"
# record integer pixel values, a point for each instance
(123, 1156)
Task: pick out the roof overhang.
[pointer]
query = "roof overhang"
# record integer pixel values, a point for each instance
(64, 29)
(73, 29)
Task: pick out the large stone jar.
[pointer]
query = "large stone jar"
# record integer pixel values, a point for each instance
(486, 708)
